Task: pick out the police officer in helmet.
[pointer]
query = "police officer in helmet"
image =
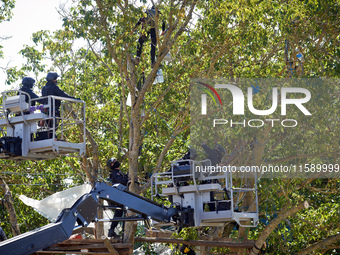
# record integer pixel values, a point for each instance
(51, 89)
(27, 86)
(116, 176)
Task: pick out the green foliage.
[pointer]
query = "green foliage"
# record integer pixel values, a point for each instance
(6, 9)
(225, 39)
(187, 234)
(13, 75)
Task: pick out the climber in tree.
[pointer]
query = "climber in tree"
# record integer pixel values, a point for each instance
(149, 25)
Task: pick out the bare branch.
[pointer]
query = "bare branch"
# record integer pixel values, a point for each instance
(274, 223)
(300, 157)
(8, 201)
(324, 244)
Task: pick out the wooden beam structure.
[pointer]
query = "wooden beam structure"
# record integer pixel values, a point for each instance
(219, 243)
(88, 247)
(115, 247)
(161, 236)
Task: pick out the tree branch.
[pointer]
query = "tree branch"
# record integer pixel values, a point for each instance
(299, 157)
(274, 223)
(10, 207)
(324, 244)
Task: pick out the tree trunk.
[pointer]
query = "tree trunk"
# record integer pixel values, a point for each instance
(259, 146)
(91, 168)
(10, 207)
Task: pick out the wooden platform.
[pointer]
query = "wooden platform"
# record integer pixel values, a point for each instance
(88, 247)
(115, 247)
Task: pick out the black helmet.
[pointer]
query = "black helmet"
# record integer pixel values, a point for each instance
(28, 82)
(193, 154)
(220, 150)
(52, 76)
(116, 164)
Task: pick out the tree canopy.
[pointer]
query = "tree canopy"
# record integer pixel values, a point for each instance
(95, 53)
(5, 15)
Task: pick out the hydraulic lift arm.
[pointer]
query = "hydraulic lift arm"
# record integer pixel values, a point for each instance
(83, 212)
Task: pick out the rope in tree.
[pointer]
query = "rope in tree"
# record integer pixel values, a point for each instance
(291, 67)
(288, 62)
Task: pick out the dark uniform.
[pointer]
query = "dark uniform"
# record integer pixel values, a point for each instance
(150, 22)
(191, 154)
(215, 155)
(116, 176)
(51, 89)
(2, 235)
(27, 85)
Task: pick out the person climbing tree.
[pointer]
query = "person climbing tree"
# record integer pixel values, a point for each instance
(149, 26)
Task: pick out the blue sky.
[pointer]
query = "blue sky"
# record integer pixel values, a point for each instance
(29, 16)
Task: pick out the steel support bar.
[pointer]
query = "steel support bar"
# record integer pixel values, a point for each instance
(83, 212)
(135, 202)
(40, 238)
(122, 219)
